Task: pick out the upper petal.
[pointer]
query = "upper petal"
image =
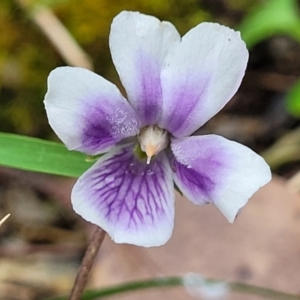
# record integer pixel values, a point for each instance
(132, 201)
(139, 44)
(212, 169)
(87, 112)
(201, 74)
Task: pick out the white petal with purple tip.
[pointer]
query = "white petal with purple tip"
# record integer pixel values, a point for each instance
(139, 44)
(201, 75)
(87, 112)
(212, 169)
(132, 201)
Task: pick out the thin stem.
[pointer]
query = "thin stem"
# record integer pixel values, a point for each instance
(86, 264)
(4, 219)
(261, 291)
(132, 286)
(236, 287)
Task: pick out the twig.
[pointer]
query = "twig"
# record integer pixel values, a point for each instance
(285, 150)
(86, 264)
(58, 35)
(4, 219)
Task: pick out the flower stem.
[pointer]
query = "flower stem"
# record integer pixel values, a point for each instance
(86, 264)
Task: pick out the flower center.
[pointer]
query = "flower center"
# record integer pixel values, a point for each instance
(153, 140)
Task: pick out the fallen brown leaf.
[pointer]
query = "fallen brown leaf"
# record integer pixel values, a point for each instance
(262, 247)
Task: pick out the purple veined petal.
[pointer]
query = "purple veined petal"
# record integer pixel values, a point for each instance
(132, 201)
(138, 45)
(87, 112)
(201, 75)
(212, 169)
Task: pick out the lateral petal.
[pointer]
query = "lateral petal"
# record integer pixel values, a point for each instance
(87, 112)
(212, 169)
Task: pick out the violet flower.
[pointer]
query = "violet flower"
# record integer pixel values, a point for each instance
(174, 85)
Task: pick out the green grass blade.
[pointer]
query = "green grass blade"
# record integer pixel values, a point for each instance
(38, 155)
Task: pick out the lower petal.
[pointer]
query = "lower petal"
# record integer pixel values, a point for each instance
(132, 201)
(212, 169)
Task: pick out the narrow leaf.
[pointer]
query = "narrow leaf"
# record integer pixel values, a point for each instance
(38, 155)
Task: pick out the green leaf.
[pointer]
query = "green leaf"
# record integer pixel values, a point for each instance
(269, 19)
(38, 155)
(293, 100)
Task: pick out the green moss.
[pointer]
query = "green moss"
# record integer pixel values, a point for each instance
(27, 57)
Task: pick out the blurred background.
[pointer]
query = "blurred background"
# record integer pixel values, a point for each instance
(41, 244)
